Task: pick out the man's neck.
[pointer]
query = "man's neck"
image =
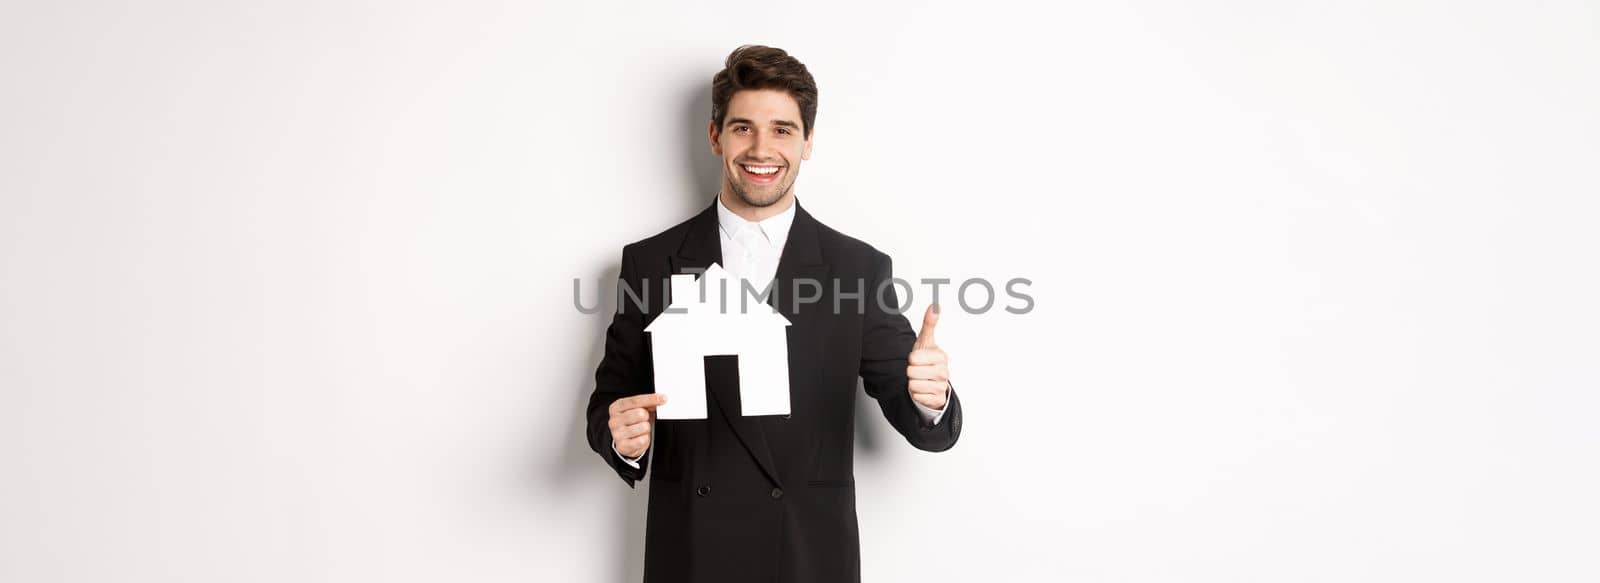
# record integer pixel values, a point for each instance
(756, 214)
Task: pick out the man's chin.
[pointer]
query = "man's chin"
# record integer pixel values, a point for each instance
(759, 199)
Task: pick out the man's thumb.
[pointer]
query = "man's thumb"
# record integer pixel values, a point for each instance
(930, 319)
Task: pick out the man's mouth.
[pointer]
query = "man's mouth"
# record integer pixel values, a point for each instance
(760, 173)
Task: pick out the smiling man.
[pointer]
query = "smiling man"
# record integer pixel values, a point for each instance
(766, 498)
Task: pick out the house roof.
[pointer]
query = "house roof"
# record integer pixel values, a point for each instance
(720, 305)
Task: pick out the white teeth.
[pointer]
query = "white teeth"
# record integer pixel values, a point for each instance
(761, 169)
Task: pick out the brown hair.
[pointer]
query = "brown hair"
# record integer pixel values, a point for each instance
(759, 67)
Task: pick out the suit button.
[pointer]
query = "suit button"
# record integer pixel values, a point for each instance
(777, 493)
(704, 490)
(785, 415)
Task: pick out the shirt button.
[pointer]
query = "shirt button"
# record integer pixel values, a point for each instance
(704, 490)
(777, 493)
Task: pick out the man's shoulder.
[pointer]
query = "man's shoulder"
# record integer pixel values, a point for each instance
(841, 249)
(662, 243)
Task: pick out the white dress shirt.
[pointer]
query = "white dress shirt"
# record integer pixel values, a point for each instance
(750, 251)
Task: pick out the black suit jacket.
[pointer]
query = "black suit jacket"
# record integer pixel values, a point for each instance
(768, 498)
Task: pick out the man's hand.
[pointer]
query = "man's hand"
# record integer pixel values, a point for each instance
(631, 419)
(927, 374)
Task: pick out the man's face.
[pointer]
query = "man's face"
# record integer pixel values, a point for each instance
(761, 144)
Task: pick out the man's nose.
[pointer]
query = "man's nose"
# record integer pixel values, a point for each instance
(760, 147)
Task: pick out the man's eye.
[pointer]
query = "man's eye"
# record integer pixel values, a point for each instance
(784, 131)
(741, 129)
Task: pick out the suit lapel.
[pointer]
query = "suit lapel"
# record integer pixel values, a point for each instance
(801, 261)
(701, 247)
(801, 291)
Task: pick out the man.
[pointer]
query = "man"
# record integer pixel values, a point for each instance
(765, 498)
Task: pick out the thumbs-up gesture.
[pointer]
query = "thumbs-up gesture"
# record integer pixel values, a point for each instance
(927, 371)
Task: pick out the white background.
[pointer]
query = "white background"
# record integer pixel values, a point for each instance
(287, 286)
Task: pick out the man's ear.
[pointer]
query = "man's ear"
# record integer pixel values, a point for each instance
(711, 131)
(806, 155)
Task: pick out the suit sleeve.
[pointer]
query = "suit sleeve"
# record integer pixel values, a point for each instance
(886, 340)
(624, 371)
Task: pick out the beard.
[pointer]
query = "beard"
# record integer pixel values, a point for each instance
(763, 196)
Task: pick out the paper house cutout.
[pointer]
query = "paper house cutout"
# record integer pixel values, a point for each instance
(711, 317)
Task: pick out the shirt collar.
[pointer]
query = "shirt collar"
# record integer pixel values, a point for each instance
(775, 227)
